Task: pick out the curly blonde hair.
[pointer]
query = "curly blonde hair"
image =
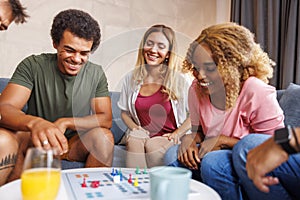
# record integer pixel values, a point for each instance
(169, 67)
(236, 55)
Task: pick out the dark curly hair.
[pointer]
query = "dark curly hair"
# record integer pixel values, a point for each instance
(236, 54)
(18, 11)
(79, 23)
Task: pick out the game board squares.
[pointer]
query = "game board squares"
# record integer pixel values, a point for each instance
(89, 195)
(108, 176)
(135, 185)
(99, 194)
(141, 190)
(78, 176)
(121, 188)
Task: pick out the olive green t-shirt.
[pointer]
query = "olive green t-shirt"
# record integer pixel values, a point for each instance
(55, 95)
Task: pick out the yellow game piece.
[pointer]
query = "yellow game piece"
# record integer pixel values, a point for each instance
(135, 183)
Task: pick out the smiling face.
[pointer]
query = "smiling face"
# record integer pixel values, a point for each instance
(6, 15)
(205, 70)
(156, 48)
(72, 53)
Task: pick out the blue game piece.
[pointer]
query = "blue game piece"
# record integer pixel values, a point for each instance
(112, 172)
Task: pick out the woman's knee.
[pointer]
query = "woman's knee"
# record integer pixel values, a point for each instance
(161, 144)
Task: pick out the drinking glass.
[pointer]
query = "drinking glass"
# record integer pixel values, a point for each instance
(40, 179)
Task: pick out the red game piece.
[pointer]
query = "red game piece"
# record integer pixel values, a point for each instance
(84, 183)
(130, 179)
(95, 184)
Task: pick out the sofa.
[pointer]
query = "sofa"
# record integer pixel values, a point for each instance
(289, 100)
(118, 129)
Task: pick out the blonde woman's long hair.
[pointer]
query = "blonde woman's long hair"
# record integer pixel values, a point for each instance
(168, 68)
(236, 55)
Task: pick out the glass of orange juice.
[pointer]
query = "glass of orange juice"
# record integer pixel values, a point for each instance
(40, 179)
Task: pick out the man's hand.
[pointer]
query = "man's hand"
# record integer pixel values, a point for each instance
(262, 160)
(188, 151)
(47, 135)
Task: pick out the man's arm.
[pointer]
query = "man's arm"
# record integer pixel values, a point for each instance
(101, 117)
(12, 100)
(265, 158)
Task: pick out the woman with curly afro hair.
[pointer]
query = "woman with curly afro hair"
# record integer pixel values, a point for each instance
(228, 99)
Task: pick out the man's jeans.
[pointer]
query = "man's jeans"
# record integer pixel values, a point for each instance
(288, 173)
(216, 170)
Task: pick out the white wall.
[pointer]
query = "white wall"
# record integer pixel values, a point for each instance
(122, 23)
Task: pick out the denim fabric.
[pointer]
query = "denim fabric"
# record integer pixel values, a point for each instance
(288, 173)
(216, 170)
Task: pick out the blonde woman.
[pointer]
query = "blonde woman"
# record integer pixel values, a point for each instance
(228, 99)
(153, 102)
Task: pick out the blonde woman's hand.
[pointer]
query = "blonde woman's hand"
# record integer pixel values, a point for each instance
(139, 128)
(172, 137)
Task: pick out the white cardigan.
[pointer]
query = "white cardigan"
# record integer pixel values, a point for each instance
(130, 91)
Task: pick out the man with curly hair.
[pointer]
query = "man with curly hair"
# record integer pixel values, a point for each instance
(11, 10)
(69, 106)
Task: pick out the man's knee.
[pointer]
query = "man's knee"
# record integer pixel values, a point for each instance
(240, 150)
(99, 134)
(7, 140)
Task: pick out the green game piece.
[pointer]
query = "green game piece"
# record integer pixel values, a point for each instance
(145, 171)
(137, 170)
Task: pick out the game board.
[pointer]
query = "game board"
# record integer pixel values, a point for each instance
(92, 185)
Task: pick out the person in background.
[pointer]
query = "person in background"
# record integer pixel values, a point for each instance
(269, 167)
(11, 10)
(228, 99)
(69, 107)
(153, 100)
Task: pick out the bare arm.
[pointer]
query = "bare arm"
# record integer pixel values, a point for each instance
(216, 143)
(265, 158)
(130, 123)
(101, 117)
(128, 120)
(180, 131)
(12, 100)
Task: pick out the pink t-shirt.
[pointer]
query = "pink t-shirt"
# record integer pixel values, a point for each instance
(155, 113)
(256, 111)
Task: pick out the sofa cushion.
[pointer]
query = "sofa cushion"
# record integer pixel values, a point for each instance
(3, 83)
(290, 105)
(118, 126)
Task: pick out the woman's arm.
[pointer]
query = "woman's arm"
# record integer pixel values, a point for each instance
(180, 131)
(128, 120)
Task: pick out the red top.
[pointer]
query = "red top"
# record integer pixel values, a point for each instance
(155, 113)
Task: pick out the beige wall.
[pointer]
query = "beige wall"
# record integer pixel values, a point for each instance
(122, 23)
